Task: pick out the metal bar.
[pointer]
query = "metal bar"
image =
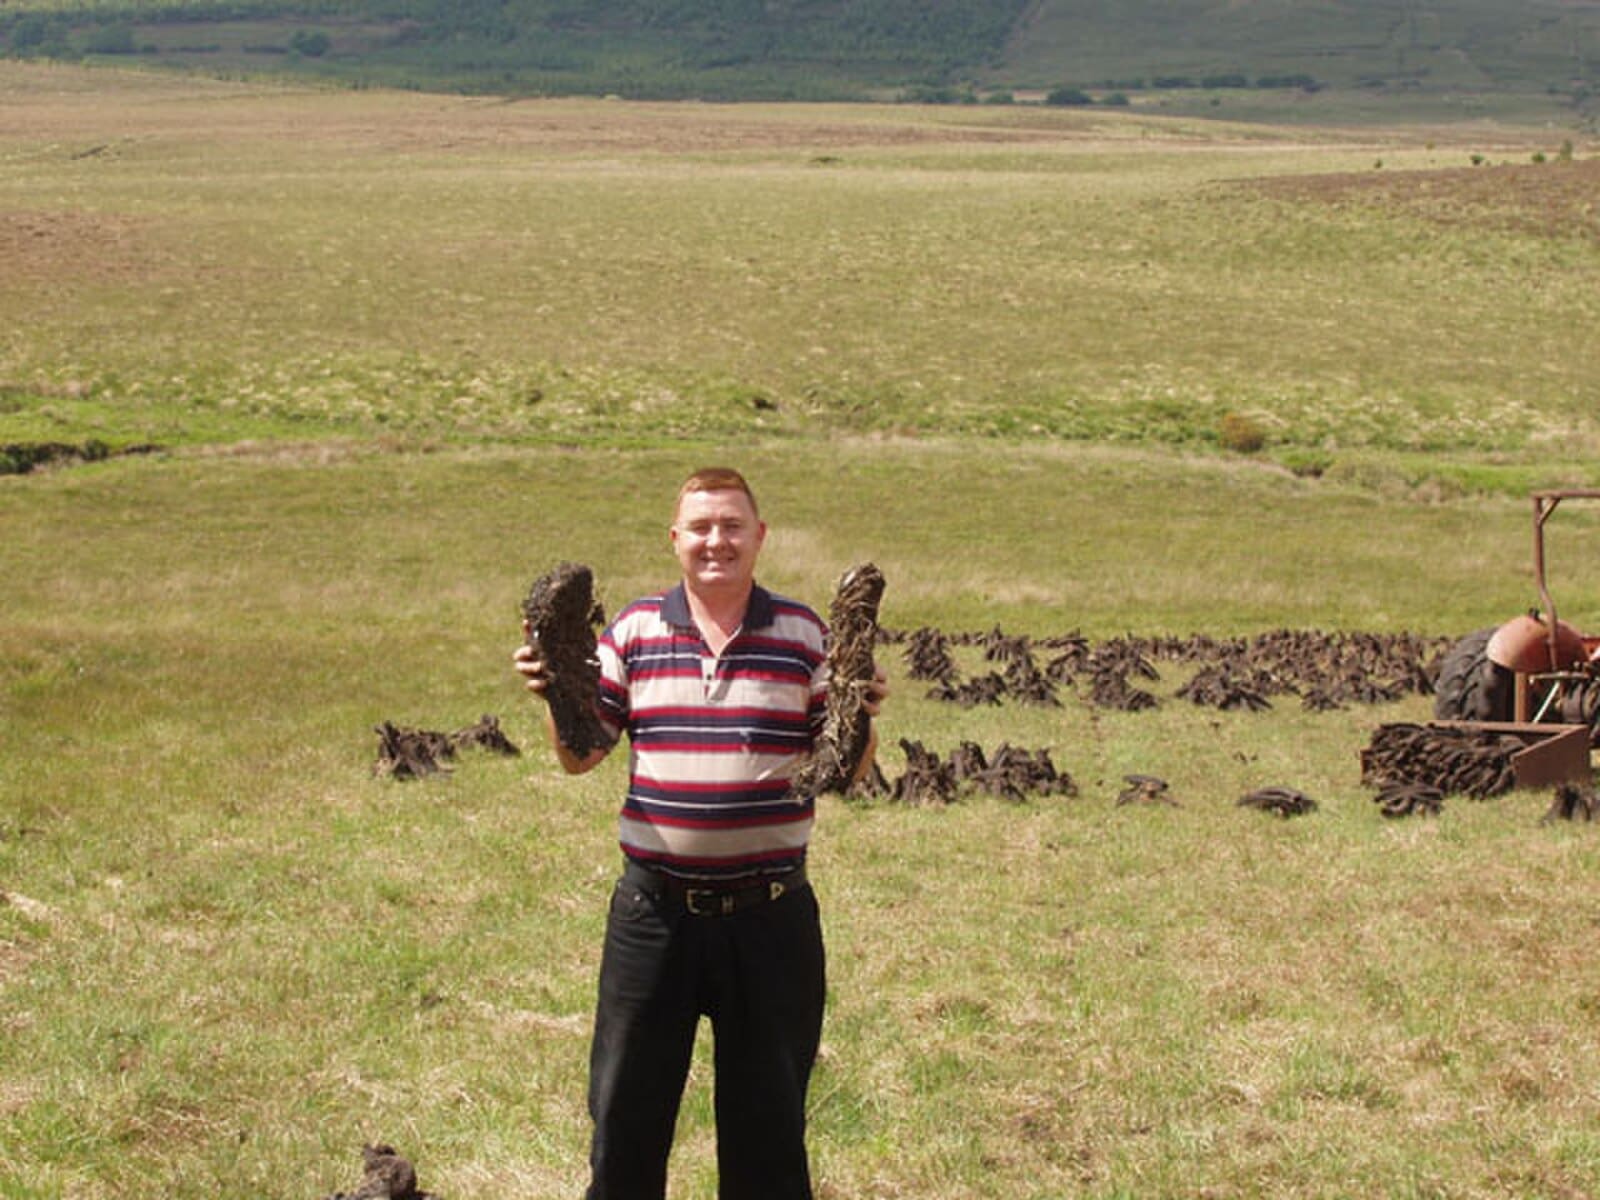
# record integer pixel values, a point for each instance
(1544, 504)
(1549, 699)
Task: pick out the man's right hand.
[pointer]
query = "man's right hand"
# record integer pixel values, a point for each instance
(530, 663)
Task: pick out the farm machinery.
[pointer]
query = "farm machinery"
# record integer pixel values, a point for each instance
(1534, 678)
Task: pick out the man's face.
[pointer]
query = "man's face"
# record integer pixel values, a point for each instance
(717, 537)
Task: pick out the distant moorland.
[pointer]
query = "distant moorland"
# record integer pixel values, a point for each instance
(1460, 58)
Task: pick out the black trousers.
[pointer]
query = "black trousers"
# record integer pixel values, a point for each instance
(759, 975)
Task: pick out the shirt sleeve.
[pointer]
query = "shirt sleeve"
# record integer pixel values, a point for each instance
(612, 702)
(816, 710)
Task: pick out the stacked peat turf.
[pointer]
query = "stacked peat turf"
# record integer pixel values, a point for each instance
(1280, 801)
(1217, 687)
(1326, 670)
(1010, 772)
(1572, 802)
(927, 655)
(928, 780)
(1146, 789)
(1409, 800)
(1026, 682)
(1111, 689)
(970, 693)
(846, 726)
(385, 1176)
(407, 753)
(485, 735)
(1467, 762)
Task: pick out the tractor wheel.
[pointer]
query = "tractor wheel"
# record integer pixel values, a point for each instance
(1470, 687)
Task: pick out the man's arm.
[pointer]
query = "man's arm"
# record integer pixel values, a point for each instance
(530, 664)
(872, 704)
(570, 762)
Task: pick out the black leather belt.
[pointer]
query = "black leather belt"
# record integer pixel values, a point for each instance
(702, 901)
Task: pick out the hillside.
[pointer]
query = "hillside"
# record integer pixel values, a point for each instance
(1507, 44)
(931, 50)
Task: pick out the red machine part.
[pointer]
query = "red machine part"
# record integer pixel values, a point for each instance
(1524, 645)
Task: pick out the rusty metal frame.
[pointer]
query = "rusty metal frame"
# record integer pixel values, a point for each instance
(1544, 506)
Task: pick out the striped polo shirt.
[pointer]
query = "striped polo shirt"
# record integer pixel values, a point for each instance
(714, 738)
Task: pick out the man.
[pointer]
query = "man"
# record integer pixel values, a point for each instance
(720, 686)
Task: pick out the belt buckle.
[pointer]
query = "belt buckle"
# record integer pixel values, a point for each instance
(706, 902)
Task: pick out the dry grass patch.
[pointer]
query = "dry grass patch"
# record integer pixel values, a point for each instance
(68, 103)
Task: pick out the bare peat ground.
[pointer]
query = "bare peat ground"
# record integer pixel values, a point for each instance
(44, 245)
(1550, 199)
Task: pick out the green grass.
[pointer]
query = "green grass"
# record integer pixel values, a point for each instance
(229, 954)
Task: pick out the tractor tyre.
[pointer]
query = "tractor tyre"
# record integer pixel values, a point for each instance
(1470, 687)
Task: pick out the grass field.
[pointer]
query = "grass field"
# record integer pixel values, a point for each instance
(403, 352)
(203, 262)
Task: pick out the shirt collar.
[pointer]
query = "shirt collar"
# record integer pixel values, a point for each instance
(758, 612)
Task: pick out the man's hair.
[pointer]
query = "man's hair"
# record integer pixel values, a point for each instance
(716, 479)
